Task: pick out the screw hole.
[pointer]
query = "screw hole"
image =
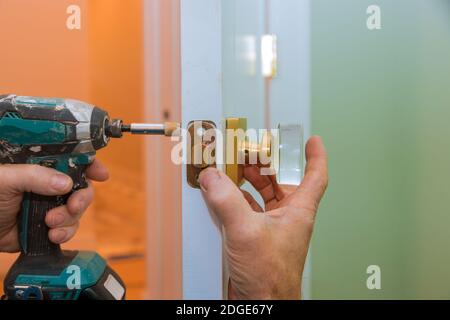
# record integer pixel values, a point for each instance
(201, 132)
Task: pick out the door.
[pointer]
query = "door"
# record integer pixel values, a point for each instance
(223, 55)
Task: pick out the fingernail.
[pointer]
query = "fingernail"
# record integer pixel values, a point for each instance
(59, 235)
(208, 177)
(60, 182)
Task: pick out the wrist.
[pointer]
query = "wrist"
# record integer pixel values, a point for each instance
(287, 291)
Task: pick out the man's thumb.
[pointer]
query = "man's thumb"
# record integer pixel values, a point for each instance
(34, 178)
(223, 197)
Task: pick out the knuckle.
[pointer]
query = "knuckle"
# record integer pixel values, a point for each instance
(34, 173)
(4, 175)
(89, 196)
(324, 182)
(71, 231)
(75, 228)
(34, 170)
(76, 208)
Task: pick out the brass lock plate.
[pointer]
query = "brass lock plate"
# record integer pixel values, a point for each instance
(233, 144)
(200, 149)
(201, 145)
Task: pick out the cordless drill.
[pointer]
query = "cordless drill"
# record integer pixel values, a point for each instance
(62, 134)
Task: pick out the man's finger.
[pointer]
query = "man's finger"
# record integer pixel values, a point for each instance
(60, 217)
(97, 171)
(80, 200)
(223, 197)
(19, 178)
(315, 182)
(265, 185)
(64, 234)
(69, 214)
(251, 201)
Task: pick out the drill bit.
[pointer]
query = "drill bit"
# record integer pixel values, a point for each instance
(116, 128)
(164, 129)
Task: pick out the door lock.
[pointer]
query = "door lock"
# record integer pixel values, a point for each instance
(276, 152)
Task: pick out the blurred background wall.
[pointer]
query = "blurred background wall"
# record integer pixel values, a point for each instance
(43, 58)
(381, 101)
(103, 63)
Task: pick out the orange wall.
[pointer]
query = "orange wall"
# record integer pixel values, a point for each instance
(39, 55)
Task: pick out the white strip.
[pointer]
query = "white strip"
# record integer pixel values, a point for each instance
(201, 52)
(114, 287)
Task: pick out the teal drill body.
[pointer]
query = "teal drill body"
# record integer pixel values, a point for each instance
(65, 135)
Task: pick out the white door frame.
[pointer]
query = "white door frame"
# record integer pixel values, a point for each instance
(201, 65)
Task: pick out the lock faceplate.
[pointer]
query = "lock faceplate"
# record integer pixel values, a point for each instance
(200, 149)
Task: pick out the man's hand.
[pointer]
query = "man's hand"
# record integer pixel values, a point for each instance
(266, 250)
(62, 221)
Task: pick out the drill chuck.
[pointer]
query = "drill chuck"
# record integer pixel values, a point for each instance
(114, 128)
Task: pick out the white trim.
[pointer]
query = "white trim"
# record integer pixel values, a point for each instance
(201, 55)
